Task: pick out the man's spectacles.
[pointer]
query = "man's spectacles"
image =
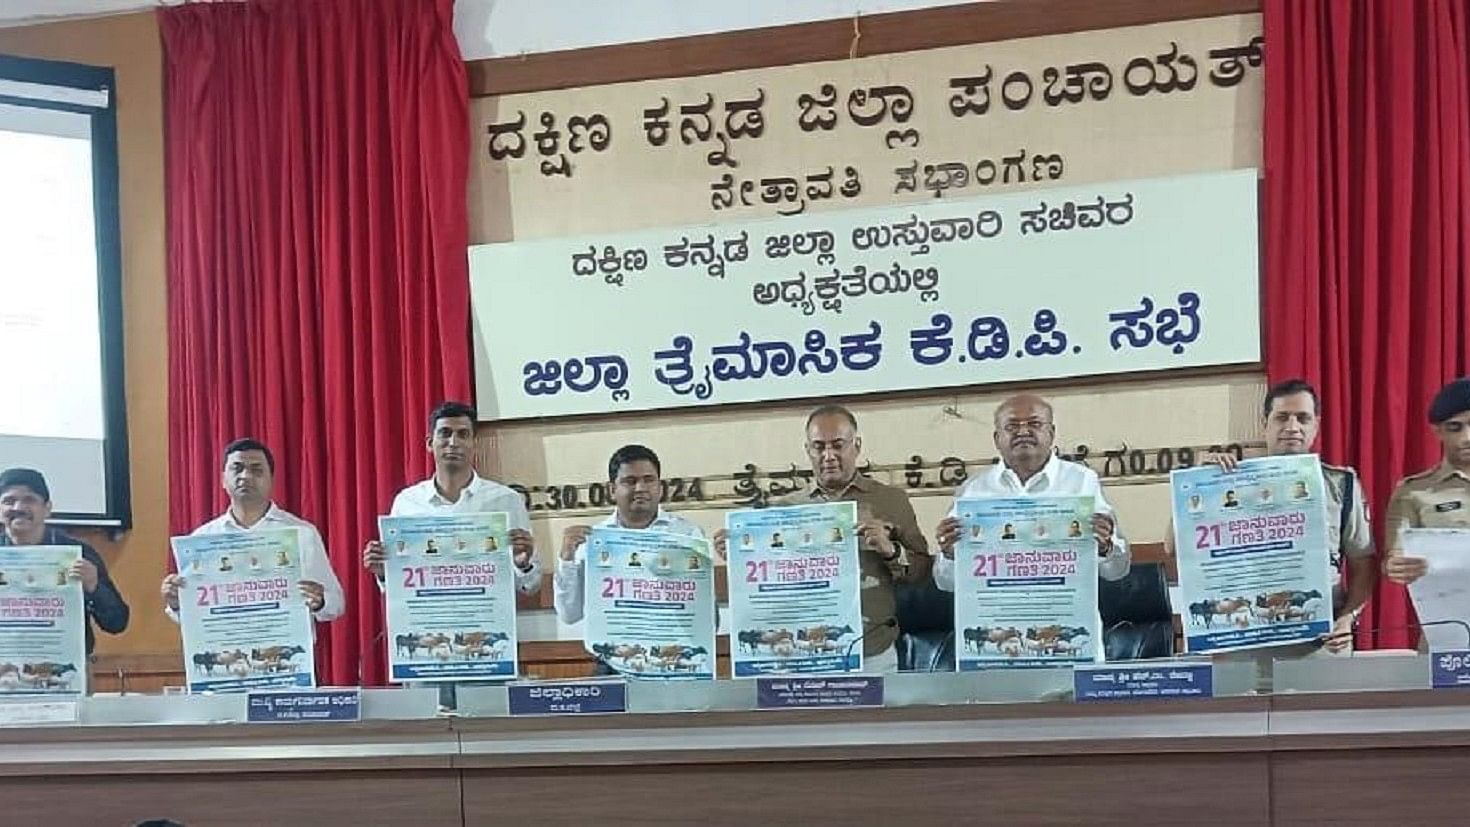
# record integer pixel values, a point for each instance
(1014, 427)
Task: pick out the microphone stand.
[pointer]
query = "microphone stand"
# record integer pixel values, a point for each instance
(889, 622)
(1401, 628)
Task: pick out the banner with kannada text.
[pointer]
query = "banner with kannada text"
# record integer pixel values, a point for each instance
(1104, 279)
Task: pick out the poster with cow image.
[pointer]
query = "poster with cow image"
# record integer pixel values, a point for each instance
(43, 638)
(650, 599)
(243, 620)
(1026, 584)
(1252, 545)
(795, 598)
(451, 597)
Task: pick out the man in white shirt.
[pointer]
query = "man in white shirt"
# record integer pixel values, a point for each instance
(1024, 435)
(248, 479)
(636, 479)
(456, 488)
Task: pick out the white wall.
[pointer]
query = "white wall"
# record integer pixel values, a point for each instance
(498, 28)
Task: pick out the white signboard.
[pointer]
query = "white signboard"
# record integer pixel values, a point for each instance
(1081, 281)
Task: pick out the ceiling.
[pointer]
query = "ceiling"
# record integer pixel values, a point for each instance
(20, 12)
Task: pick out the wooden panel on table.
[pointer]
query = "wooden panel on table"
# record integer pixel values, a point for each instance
(958, 732)
(320, 799)
(1371, 787)
(1135, 790)
(226, 748)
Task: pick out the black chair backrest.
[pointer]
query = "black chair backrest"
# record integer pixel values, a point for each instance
(923, 607)
(1141, 597)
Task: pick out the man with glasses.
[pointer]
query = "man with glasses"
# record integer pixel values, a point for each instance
(1024, 434)
(891, 548)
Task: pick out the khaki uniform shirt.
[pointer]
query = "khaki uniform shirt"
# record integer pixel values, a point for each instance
(884, 503)
(1437, 498)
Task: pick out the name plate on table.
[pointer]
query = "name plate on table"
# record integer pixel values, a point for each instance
(818, 693)
(307, 705)
(572, 698)
(33, 713)
(1449, 668)
(1118, 682)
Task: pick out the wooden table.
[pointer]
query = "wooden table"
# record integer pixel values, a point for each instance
(1365, 758)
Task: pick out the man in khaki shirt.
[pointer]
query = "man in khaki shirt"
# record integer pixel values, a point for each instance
(1440, 496)
(1292, 417)
(891, 548)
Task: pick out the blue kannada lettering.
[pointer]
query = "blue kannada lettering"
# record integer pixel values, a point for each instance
(749, 359)
(577, 375)
(678, 371)
(1172, 327)
(994, 328)
(989, 338)
(1045, 323)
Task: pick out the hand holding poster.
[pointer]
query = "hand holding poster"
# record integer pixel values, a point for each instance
(243, 620)
(650, 599)
(795, 600)
(451, 597)
(43, 616)
(1442, 595)
(1252, 547)
(1026, 583)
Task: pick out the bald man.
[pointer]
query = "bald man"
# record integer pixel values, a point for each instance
(1024, 434)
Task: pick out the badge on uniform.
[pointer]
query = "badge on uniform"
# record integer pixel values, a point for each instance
(1450, 506)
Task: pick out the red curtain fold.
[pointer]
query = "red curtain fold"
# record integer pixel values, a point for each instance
(1367, 157)
(317, 156)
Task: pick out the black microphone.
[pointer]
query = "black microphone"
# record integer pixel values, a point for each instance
(887, 623)
(1321, 641)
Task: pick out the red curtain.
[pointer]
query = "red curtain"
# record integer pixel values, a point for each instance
(1367, 156)
(317, 156)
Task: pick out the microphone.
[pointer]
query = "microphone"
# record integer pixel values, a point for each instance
(1319, 642)
(887, 623)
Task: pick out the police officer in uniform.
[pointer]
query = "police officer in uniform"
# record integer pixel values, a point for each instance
(1440, 496)
(1292, 417)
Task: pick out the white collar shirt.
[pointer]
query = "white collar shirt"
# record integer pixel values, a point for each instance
(316, 566)
(1058, 477)
(422, 499)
